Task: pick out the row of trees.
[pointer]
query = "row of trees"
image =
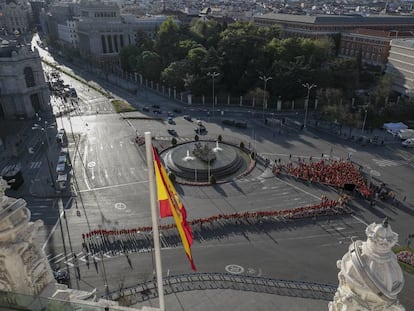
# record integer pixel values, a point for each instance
(181, 55)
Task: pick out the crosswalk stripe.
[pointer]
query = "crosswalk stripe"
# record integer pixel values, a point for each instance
(35, 164)
(384, 162)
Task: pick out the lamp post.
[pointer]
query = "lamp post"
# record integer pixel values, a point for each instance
(309, 87)
(264, 79)
(44, 129)
(365, 119)
(213, 75)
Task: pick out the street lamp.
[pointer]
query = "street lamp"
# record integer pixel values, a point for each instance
(264, 79)
(365, 119)
(309, 87)
(44, 129)
(213, 75)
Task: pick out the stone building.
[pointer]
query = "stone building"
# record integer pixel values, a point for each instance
(15, 16)
(23, 89)
(369, 44)
(316, 26)
(97, 30)
(401, 66)
(103, 31)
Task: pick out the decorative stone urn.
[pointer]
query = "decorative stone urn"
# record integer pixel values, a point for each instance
(24, 268)
(370, 277)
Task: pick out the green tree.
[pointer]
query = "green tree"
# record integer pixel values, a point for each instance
(149, 64)
(167, 40)
(175, 74)
(382, 91)
(126, 57)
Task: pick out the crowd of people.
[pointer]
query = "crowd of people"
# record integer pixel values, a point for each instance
(336, 173)
(135, 239)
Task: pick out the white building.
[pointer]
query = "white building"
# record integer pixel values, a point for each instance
(23, 89)
(103, 31)
(401, 66)
(67, 34)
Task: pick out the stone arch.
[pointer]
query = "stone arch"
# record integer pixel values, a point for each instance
(29, 77)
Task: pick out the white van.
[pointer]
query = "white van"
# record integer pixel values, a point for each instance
(406, 134)
(408, 143)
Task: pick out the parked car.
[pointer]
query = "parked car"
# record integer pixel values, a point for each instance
(188, 118)
(172, 132)
(61, 137)
(176, 110)
(408, 143)
(61, 276)
(406, 134)
(170, 114)
(146, 109)
(156, 106)
(156, 111)
(171, 120)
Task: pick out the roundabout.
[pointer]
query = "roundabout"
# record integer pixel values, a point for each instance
(206, 162)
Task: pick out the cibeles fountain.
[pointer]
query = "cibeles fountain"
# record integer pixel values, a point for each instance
(197, 162)
(370, 277)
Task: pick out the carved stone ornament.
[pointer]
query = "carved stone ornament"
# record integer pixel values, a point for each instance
(24, 268)
(370, 277)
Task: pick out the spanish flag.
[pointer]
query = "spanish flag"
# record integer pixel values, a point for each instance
(170, 205)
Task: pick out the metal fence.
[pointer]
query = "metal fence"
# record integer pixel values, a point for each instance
(205, 281)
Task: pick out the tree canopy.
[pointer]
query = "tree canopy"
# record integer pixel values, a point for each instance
(182, 55)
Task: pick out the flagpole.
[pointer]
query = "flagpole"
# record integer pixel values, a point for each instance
(154, 216)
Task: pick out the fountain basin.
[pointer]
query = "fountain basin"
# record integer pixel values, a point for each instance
(230, 162)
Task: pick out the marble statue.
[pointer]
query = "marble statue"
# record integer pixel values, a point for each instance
(3, 187)
(370, 277)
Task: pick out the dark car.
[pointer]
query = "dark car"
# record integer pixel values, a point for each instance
(172, 132)
(156, 106)
(61, 276)
(176, 110)
(146, 109)
(200, 130)
(156, 111)
(171, 120)
(188, 118)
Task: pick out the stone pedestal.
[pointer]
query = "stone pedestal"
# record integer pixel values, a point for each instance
(370, 277)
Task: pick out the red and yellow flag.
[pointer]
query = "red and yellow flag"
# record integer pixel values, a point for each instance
(170, 205)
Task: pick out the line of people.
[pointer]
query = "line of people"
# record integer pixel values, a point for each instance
(139, 239)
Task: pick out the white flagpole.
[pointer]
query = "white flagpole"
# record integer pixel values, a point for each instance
(154, 216)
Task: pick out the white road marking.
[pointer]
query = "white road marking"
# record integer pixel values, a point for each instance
(115, 186)
(60, 203)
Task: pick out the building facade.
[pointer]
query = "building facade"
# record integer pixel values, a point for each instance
(67, 34)
(15, 16)
(401, 66)
(370, 45)
(315, 26)
(23, 89)
(103, 31)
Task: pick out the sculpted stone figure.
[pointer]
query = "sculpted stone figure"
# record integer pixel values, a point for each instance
(370, 277)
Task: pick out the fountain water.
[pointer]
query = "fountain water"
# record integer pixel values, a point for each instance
(217, 148)
(188, 157)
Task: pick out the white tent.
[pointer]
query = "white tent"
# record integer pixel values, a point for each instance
(393, 128)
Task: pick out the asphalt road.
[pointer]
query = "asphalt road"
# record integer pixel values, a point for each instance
(111, 186)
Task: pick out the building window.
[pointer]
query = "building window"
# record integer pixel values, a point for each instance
(29, 77)
(103, 43)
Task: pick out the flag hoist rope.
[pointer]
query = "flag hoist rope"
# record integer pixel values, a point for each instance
(154, 216)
